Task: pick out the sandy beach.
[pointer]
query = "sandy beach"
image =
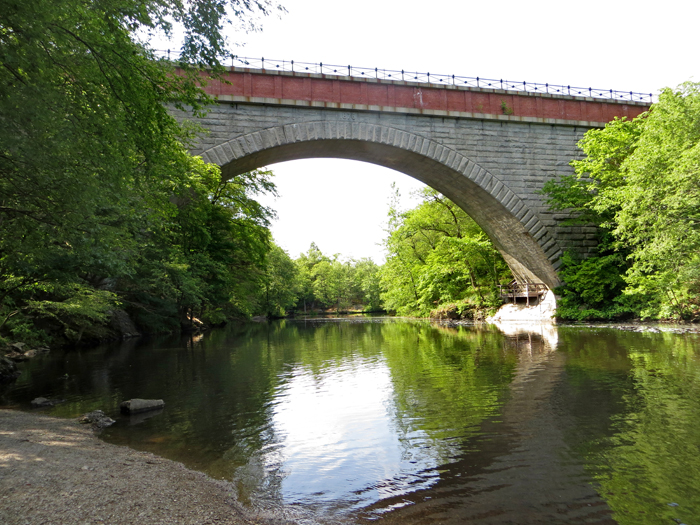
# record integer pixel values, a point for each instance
(57, 472)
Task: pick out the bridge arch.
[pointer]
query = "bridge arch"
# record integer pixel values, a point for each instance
(526, 245)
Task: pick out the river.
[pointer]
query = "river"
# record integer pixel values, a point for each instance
(361, 420)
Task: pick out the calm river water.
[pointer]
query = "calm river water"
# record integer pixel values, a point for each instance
(358, 420)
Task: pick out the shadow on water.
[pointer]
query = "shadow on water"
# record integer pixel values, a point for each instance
(409, 422)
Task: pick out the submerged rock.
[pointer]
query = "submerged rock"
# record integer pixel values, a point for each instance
(18, 352)
(42, 402)
(137, 419)
(134, 406)
(17, 356)
(97, 419)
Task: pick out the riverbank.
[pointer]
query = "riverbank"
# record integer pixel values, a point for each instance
(56, 471)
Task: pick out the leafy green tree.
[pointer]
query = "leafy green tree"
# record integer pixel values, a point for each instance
(437, 255)
(638, 182)
(89, 156)
(281, 284)
(333, 283)
(329, 282)
(307, 276)
(367, 285)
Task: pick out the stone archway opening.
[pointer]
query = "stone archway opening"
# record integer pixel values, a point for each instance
(526, 245)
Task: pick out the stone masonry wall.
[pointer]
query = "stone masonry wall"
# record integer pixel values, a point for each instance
(522, 156)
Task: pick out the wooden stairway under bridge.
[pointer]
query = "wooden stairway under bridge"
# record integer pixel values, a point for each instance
(513, 291)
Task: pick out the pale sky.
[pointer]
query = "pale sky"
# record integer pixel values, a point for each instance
(341, 205)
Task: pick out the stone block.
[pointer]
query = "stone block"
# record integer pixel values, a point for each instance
(134, 406)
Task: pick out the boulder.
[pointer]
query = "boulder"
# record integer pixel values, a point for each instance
(8, 370)
(97, 419)
(17, 356)
(134, 406)
(42, 402)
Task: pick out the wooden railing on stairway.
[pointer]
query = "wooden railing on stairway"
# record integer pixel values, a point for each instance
(511, 292)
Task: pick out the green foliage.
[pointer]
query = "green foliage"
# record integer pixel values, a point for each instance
(639, 183)
(98, 193)
(281, 284)
(368, 285)
(594, 289)
(438, 255)
(328, 282)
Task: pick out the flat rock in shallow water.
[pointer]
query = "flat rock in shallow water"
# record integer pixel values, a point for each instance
(134, 406)
(41, 402)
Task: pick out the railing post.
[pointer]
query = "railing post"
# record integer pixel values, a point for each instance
(292, 66)
(349, 74)
(527, 293)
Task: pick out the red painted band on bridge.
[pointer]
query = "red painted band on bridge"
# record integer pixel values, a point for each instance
(310, 88)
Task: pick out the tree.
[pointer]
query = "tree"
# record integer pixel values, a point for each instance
(639, 183)
(281, 284)
(437, 255)
(368, 285)
(89, 156)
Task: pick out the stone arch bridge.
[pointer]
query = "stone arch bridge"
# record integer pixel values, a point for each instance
(489, 150)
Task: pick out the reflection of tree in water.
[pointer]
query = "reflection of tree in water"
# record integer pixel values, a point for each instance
(446, 381)
(645, 450)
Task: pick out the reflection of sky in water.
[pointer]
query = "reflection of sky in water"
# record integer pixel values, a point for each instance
(338, 441)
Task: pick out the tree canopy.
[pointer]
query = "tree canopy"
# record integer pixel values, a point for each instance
(99, 197)
(639, 182)
(438, 258)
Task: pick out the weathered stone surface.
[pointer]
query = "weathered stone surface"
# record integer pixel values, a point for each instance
(134, 406)
(97, 419)
(493, 169)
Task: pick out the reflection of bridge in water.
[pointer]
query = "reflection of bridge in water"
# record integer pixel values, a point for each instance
(520, 468)
(488, 146)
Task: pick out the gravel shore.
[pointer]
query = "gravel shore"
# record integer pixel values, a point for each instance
(56, 471)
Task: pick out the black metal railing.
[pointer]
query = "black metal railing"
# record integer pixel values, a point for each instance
(429, 78)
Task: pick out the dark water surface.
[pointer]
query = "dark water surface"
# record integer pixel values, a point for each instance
(407, 422)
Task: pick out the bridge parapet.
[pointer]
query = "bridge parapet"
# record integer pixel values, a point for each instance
(343, 92)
